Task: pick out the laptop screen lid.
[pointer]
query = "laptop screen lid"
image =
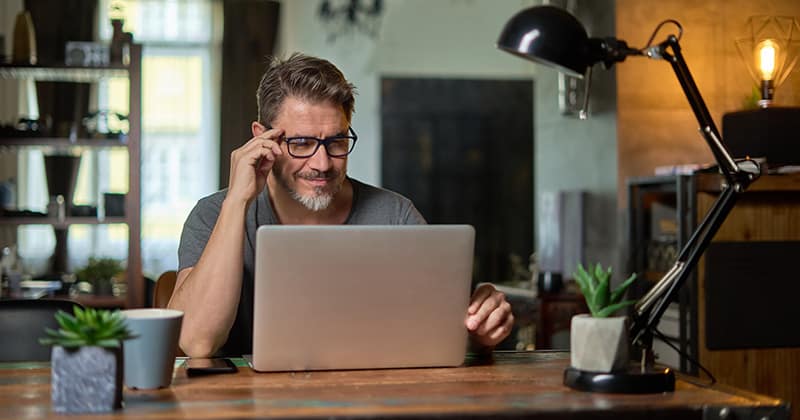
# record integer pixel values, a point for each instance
(361, 297)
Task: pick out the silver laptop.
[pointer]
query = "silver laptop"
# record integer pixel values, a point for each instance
(361, 297)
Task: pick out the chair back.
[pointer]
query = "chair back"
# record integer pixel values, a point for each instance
(165, 284)
(22, 323)
(164, 287)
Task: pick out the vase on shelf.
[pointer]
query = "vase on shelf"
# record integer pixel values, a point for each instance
(24, 51)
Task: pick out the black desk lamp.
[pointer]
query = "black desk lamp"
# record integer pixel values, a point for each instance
(551, 36)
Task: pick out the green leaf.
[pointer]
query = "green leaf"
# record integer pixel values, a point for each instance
(609, 310)
(602, 294)
(598, 271)
(88, 327)
(580, 277)
(589, 279)
(108, 343)
(619, 291)
(80, 314)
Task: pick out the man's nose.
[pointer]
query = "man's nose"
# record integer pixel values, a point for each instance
(320, 160)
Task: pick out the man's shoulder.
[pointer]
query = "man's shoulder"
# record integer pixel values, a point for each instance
(212, 201)
(370, 194)
(378, 206)
(208, 206)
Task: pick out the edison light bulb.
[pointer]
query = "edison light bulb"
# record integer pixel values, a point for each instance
(767, 53)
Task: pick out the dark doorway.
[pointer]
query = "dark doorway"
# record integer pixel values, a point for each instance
(462, 150)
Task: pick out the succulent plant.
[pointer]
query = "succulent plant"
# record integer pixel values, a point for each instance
(88, 327)
(595, 284)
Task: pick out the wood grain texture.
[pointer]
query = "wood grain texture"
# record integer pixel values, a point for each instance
(514, 385)
(770, 211)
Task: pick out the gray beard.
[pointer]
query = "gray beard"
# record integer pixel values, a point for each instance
(320, 200)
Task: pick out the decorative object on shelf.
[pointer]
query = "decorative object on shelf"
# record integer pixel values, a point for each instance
(104, 124)
(86, 363)
(86, 54)
(344, 16)
(83, 211)
(61, 172)
(100, 273)
(10, 271)
(24, 40)
(120, 48)
(551, 36)
(114, 204)
(599, 342)
(8, 194)
(770, 52)
(62, 175)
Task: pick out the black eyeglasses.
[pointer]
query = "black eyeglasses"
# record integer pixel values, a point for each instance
(336, 146)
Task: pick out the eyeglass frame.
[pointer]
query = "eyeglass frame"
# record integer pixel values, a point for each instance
(321, 142)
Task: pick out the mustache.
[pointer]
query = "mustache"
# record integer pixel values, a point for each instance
(318, 175)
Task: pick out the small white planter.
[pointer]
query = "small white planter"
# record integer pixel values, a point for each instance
(86, 380)
(599, 344)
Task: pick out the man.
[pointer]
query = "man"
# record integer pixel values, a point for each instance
(293, 171)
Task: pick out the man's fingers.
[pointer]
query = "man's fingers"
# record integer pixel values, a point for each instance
(478, 296)
(495, 319)
(487, 306)
(502, 332)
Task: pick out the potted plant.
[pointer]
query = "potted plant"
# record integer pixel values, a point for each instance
(100, 272)
(86, 362)
(599, 341)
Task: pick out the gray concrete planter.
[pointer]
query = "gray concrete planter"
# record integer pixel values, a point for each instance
(86, 380)
(599, 344)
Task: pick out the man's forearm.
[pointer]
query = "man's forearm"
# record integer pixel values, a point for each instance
(209, 292)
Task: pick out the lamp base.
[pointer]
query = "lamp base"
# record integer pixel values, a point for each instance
(631, 381)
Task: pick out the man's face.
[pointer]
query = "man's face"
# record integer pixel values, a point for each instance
(315, 180)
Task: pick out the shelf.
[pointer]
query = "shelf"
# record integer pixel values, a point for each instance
(56, 224)
(61, 73)
(60, 142)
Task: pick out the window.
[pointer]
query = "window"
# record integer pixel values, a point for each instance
(180, 78)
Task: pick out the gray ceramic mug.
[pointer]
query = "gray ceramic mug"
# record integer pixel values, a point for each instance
(150, 357)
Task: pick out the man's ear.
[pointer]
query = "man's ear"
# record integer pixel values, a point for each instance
(257, 128)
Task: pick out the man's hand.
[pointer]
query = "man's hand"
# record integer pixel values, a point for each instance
(251, 163)
(489, 318)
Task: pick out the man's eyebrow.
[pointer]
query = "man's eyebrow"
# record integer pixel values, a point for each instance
(339, 134)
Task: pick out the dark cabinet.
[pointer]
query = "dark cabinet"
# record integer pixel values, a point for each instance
(735, 313)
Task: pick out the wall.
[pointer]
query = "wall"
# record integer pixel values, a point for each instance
(655, 124)
(455, 38)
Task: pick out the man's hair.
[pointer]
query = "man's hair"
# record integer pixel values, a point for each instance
(304, 77)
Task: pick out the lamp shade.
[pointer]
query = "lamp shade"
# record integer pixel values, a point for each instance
(550, 36)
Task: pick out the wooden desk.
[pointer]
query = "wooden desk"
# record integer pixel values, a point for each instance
(516, 385)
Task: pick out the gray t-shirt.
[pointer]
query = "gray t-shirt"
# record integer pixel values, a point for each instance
(371, 206)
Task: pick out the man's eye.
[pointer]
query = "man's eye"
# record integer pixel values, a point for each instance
(303, 142)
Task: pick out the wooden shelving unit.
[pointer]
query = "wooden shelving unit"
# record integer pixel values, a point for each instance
(132, 218)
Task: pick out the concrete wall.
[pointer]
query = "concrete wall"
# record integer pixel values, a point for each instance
(455, 38)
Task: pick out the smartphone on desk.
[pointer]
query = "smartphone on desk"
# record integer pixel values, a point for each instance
(202, 366)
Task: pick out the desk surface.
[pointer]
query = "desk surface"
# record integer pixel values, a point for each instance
(514, 385)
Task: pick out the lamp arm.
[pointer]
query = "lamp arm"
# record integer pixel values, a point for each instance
(650, 308)
(708, 128)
